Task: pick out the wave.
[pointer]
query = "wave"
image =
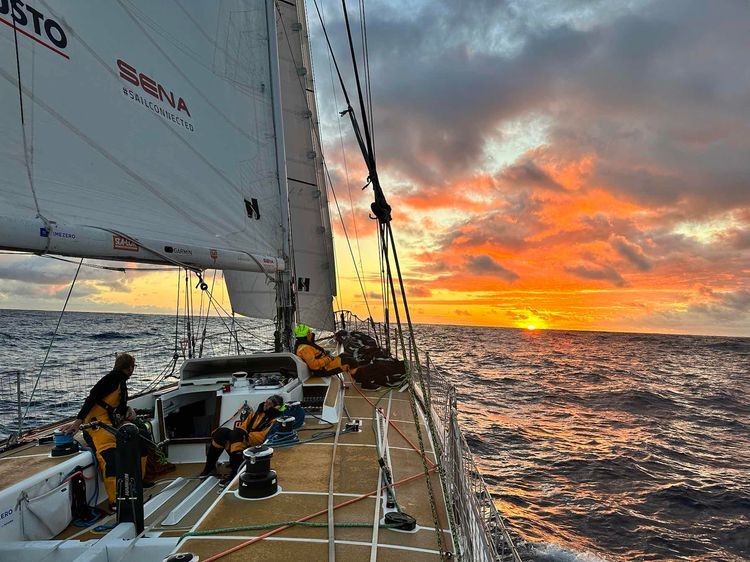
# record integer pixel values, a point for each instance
(550, 552)
(714, 497)
(111, 336)
(622, 468)
(730, 345)
(636, 401)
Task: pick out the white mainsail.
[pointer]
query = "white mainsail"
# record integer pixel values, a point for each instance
(312, 243)
(147, 122)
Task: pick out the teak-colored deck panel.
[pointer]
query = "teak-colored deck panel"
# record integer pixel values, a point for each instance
(306, 468)
(303, 473)
(296, 550)
(16, 469)
(234, 512)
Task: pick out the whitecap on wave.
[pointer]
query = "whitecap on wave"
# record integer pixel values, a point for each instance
(550, 552)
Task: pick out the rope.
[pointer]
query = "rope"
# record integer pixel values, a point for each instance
(23, 132)
(49, 347)
(259, 527)
(105, 267)
(277, 530)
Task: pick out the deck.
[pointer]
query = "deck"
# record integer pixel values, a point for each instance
(344, 472)
(341, 472)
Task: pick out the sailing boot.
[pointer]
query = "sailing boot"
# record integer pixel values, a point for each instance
(212, 456)
(235, 461)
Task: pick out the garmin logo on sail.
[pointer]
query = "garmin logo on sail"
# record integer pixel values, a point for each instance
(33, 24)
(166, 98)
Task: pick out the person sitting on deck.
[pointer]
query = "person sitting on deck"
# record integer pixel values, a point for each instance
(107, 402)
(247, 432)
(319, 361)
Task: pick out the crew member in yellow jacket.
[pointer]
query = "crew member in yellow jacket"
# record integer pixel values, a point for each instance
(319, 361)
(246, 433)
(107, 402)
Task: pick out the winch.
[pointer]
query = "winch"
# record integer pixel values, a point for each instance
(64, 445)
(258, 480)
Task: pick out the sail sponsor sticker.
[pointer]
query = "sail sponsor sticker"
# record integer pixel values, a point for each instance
(177, 250)
(122, 243)
(214, 254)
(160, 99)
(7, 515)
(34, 24)
(44, 233)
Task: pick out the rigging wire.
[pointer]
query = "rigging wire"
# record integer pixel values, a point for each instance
(349, 244)
(49, 347)
(177, 316)
(348, 180)
(318, 139)
(105, 267)
(23, 129)
(366, 58)
(325, 165)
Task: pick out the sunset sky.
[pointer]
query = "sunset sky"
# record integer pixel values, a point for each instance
(567, 164)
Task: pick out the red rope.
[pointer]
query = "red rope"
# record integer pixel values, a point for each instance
(307, 517)
(394, 426)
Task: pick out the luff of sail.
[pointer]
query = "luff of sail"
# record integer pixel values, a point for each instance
(312, 243)
(147, 133)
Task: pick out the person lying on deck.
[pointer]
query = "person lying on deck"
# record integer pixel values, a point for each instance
(319, 361)
(247, 432)
(374, 365)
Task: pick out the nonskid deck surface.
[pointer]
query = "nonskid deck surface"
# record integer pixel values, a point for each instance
(23, 462)
(304, 472)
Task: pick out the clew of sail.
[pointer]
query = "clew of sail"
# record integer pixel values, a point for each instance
(312, 244)
(147, 132)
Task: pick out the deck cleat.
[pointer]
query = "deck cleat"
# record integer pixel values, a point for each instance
(401, 521)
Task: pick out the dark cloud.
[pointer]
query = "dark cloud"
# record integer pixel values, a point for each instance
(631, 252)
(726, 306)
(737, 238)
(416, 290)
(527, 174)
(596, 272)
(485, 265)
(36, 271)
(651, 88)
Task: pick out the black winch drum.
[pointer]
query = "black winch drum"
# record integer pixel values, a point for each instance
(286, 425)
(258, 480)
(258, 459)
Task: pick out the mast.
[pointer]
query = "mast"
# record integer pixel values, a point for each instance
(284, 304)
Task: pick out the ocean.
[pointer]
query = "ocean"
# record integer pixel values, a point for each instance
(595, 446)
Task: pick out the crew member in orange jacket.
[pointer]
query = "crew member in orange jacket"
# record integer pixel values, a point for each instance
(319, 361)
(107, 402)
(246, 433)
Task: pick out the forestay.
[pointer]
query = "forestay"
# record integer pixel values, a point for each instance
(312, 244)
(153, 120)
